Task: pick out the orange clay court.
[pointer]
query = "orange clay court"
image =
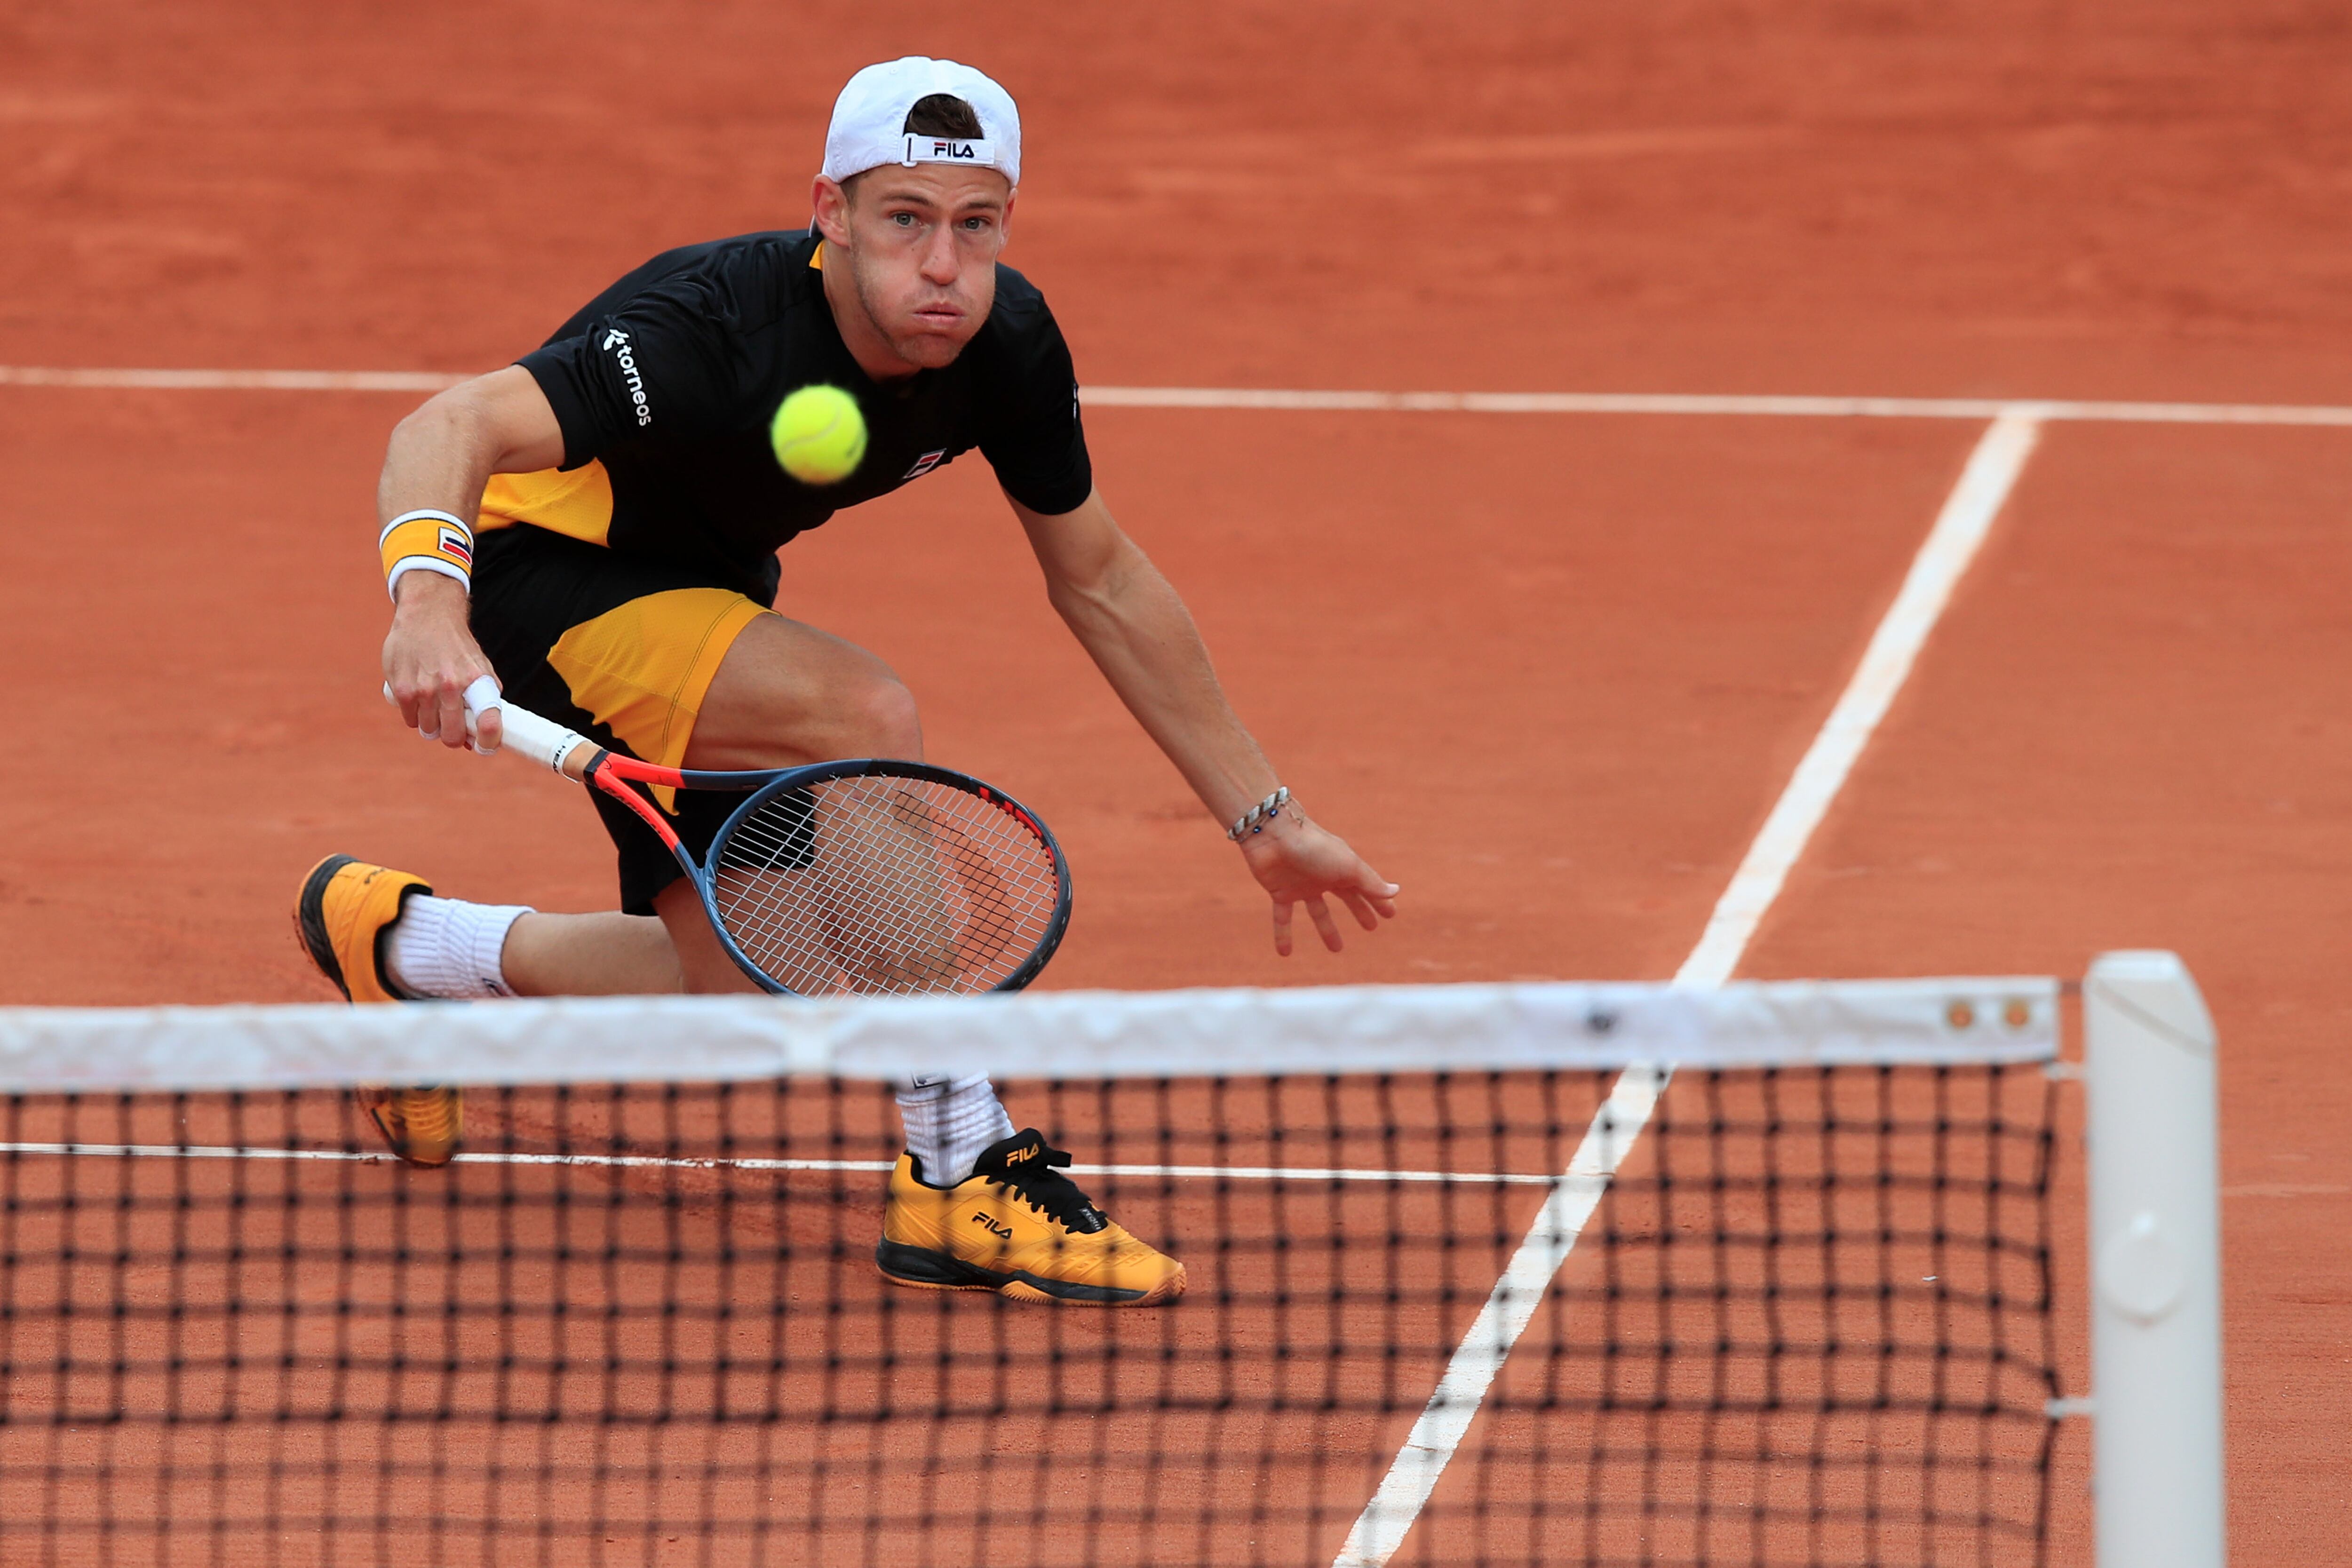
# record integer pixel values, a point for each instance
(1549, 669)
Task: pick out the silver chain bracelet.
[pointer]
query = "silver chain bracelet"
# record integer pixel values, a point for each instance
(1258, 817)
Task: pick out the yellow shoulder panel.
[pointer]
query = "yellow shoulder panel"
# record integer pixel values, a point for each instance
(578, 504)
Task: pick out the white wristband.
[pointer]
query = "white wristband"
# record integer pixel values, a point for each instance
(408, 564)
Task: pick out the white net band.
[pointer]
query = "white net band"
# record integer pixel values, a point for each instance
(1343, 1030)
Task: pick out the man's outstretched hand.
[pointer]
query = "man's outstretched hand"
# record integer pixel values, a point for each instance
(1299, 863)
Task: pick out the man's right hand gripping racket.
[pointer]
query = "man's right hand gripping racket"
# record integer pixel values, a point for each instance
(872, 876)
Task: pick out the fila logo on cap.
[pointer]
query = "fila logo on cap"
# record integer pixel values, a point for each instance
(948, 150)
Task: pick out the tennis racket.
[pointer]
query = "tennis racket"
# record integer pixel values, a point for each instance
(873, 876)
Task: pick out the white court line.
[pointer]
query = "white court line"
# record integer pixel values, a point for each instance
(664, 1162)
(1992, 472)
(232, 380)
(2042, 409)
(1961, 528)
(1972, 408)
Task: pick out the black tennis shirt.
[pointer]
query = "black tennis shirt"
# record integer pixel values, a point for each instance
(669, 378)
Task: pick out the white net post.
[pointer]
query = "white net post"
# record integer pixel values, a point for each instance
(2156, 1266)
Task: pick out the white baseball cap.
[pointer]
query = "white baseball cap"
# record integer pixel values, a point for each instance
(869, 120)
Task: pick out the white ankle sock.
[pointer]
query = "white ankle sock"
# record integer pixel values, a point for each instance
(448, 948)
(950, 1123)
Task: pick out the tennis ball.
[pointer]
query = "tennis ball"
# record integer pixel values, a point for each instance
(819, 435)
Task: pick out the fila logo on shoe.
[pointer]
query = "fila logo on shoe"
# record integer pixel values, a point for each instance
(1001, 1232)
(1015, 1156)
(925, 464)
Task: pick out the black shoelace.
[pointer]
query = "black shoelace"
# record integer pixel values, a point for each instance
(1039, 1183)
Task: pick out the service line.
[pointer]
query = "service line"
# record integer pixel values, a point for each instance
(1770, 405)
(1952, 544)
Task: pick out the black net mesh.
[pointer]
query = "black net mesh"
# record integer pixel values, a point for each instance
(1808, 1324)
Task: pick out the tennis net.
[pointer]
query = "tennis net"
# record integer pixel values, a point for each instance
(1474, 1280)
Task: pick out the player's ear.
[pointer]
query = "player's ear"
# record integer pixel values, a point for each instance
(1004, 222)
(830, 202)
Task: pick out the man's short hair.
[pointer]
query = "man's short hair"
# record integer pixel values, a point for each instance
(940, 114)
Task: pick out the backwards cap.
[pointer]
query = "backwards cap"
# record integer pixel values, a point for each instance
(869, 120)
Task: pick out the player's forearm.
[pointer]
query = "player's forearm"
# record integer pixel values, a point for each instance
(435, 468)
(439, 456)
(443, 454)
(439, 459)
(1139, 633)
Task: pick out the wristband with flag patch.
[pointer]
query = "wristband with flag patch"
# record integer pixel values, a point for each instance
(427, 540)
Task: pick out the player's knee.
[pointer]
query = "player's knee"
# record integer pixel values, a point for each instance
(877, 719)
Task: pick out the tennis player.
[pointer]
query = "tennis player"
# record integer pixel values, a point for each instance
(598, 525)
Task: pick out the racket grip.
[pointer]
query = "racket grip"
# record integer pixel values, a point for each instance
(523, 732)
(528, 735)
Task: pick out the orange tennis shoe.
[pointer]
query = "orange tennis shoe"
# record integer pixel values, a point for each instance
(341, 912)
(422, 1125)
(1018, 1227)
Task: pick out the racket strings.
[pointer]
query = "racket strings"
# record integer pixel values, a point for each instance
(882, 885)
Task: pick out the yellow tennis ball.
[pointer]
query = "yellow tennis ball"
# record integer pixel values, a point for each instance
(819, 435)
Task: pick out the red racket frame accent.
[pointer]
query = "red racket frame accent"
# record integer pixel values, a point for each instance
(606, 777)
(607, 771)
